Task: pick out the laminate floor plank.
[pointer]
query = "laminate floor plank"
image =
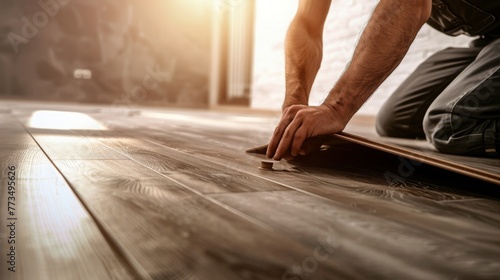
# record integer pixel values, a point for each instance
(16, 140)
(31, 163)
(172, 232)
(370, 241)
(394, 206)
(74, 147)
(183, 201)
(462, 164)
(55, 238)
(206, 177)
(441, 220)
(488, 165)
(371, 193)
(480, 209)
(324, 178)
(9, 124)
(13, 135)
(341, 171)
(171, 133)
(221, 133)
(375, 186)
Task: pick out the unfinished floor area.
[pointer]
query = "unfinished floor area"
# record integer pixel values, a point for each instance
(138, 193)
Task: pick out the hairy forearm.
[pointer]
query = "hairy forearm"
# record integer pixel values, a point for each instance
(383, 44)
(303, 54)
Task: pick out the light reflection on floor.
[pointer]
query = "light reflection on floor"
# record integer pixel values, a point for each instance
(44, 119)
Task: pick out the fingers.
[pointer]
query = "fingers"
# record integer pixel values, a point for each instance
(298, 139)
(275, 140)
(287, 139)
(298, 125)
(289, 157)
(289, 134)
(278, 132)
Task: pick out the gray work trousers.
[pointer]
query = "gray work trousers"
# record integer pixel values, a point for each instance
(452, 99)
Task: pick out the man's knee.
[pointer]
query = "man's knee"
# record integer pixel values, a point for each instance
(438, 131)
(383, 124)
(390, 124)
(454, 134)
(387, 124)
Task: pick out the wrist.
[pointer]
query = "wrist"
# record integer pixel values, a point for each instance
(287, 104)
(291, 100)
(341, 107)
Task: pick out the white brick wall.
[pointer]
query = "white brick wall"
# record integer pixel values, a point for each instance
(342, 30)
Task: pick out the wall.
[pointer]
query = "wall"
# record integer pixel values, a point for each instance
(130, 52)
(343, 28)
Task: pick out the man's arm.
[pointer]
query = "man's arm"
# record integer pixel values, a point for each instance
(383, 44)
(304, 50)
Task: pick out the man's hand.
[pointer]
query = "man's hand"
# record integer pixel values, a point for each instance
(300, 123)
(389, 33)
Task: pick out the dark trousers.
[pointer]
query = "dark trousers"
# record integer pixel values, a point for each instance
(452, 99)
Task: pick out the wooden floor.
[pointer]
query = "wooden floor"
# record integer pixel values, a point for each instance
(110, 193)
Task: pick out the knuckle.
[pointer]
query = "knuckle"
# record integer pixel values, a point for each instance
(299, 135)
(277, 131)
(286, 117)
(300, 114)
(294, 109)
(287, 134)
(306, 120)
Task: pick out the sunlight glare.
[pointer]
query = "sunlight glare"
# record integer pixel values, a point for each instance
(63, 120)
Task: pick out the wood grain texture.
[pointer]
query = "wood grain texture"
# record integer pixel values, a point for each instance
(364, 239)
(206, 177)
(372, 200)
(16, 140)
(31, 163)
(173, 233)
(338, 179)
(73, 147)
(183, 201)
(375, 197)
(342, 171)
(483, 210)
(55, 236)
(348, 166)
(175, 135)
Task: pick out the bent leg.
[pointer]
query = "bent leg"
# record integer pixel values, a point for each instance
(465, 118)
(403, 113)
